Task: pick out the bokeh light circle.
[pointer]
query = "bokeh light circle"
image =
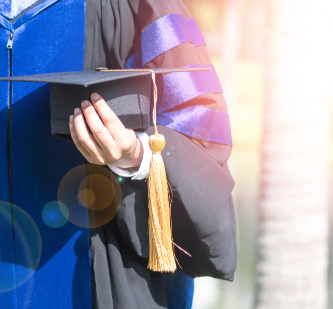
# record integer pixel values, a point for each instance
(96, 192)
(86, 197)
(20, 246)
(92, 194)
(55, 214)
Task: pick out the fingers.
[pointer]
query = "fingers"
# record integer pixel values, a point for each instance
(84, 152)
(109, 141)
(109, 118)
(83, 140)
(97, 128)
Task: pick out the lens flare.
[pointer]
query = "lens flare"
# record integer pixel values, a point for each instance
(20, 246)
(92, 194)
(55, 214)
(96, 192)
(86, 197)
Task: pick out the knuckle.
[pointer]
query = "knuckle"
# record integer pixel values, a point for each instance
(97, 131)
(71, 128)
(88, 111)
(108, 156)
(129, 141)
(116, 156)
(77, 144)
(100, 161)
(100, 103)
(89, 160)
(110, 119)
(83, 141)
(127, 146)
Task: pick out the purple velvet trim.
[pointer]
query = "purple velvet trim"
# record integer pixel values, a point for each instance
(180, 87)
(211, 77)
(197, 36)
(199, 122)
(177, 88)
(167, 32)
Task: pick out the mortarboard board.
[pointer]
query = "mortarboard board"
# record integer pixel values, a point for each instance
(127, 92)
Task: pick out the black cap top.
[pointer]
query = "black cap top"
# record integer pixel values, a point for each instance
(126, 92)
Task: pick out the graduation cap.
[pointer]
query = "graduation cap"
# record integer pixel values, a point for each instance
(127, 93)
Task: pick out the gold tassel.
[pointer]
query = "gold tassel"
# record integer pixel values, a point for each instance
(161, 254)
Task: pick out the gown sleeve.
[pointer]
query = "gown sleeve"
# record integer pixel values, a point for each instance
(203, 218)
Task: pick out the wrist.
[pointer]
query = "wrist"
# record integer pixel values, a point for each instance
(136, 159)
(137, 173)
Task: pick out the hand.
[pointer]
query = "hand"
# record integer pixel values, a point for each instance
(109, 141)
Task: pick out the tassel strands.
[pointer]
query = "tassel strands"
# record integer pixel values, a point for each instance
(161, 254)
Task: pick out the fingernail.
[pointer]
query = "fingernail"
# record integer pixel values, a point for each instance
(95, 96)
(76, 111)
(71, 118)
(85, 104)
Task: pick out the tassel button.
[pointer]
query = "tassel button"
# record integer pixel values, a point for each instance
(157, 143)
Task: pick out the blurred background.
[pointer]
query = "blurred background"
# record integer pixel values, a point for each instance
(274, 61)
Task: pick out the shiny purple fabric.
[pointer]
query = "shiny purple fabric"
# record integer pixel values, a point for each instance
(167, 32)
(210, 76)
(197, 37)
(180, 87)
(177, 88)
(199, 122)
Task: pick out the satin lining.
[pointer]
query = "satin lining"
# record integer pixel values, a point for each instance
(167, 32)
(4, 23)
